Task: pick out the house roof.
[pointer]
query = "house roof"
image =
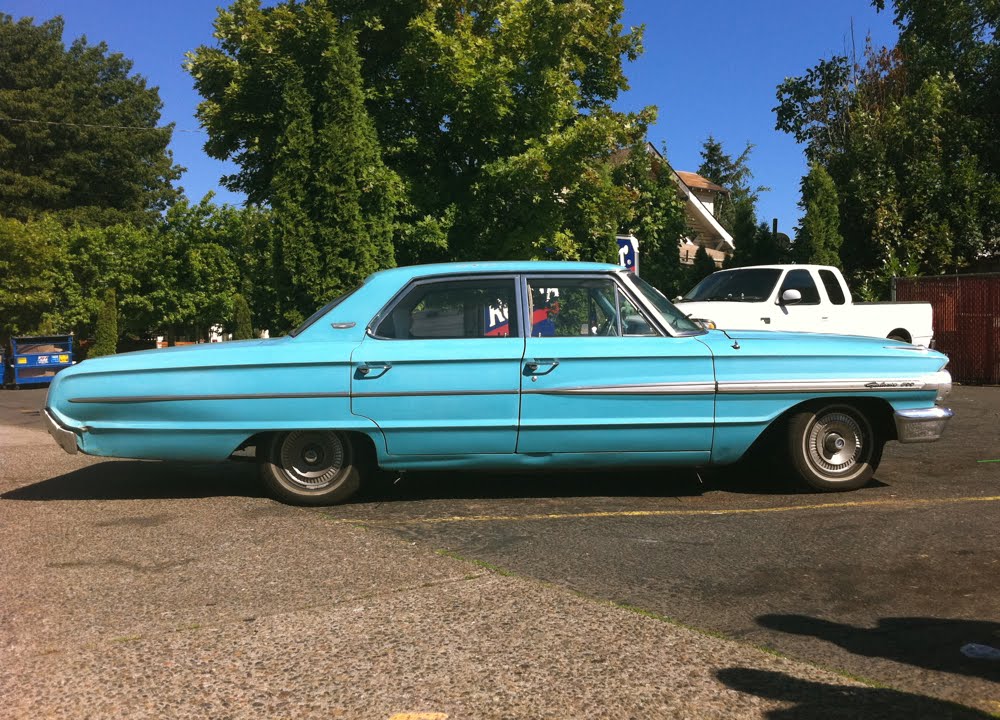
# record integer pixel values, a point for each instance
(696, 181)
(699, 216)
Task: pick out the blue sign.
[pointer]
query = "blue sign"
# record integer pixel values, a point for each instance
(628, 253)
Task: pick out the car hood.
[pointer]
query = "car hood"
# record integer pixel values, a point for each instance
(822, 353)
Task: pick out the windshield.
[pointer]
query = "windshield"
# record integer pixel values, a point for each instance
(744, 285)
(674, 317)
(322, 311)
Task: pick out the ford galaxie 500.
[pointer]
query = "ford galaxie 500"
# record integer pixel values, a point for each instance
(505, 366)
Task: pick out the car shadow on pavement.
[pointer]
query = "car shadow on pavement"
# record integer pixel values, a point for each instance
(145, 480)
(821, 701)
(614, 482)
(929, 643)
(148, 479)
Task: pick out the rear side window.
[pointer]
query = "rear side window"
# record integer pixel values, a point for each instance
(802, 281)
(453, 309)
(833, 289)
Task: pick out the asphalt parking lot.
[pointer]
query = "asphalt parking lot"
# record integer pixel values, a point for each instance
(163, 589)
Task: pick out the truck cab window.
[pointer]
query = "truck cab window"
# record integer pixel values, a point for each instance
(833, 289)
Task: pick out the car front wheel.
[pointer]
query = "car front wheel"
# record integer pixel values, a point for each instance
(310, 467)
(833, 448)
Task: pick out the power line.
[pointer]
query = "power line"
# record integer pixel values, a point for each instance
(106, 127)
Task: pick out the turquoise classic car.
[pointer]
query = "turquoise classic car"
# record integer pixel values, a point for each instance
(505, 365)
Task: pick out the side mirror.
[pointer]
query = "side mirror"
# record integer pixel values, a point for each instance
(790, 297)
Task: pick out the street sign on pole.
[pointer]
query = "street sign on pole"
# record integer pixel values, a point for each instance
(628, 252)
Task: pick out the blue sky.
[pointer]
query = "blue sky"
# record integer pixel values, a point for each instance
(710, 67)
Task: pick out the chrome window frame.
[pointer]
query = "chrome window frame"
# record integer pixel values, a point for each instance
(513, 278)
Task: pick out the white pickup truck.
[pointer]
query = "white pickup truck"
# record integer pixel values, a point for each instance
(808, 298)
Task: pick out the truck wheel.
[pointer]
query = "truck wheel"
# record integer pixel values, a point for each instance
(310, 467)
(833, 448)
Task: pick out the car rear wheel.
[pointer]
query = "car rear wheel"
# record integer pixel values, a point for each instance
(310, 467)
(834, 448)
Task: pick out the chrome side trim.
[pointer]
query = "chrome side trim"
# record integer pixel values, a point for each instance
(795, 386)
(66, 439)
(922, 424)
(434, 393)
(680, 388)
(183, 398)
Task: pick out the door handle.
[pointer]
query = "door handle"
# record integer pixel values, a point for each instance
(531, 366)
(370, 371)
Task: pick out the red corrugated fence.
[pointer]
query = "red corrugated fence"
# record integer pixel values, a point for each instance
(966, 321)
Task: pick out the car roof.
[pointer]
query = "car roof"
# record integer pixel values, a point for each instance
(406, 273)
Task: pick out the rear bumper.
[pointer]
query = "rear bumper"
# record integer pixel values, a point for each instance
(921, 425)
(66, 439)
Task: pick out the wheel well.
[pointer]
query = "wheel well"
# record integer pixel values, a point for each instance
(363, 445)
(900, 333)
(878, 411)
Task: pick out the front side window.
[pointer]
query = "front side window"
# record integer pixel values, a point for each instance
(632, 320)
(802, 281)
(583, 307)
(572, 307)
(451, 309)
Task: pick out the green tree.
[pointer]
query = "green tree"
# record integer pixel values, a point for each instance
(34, 272)
(703, 266)
(195, 275)
(284, 99)
(818, 239)
(735, 176)
(120, 257)
(106, 341)
(242, 322)
(78, 131)
(656, 216)
(495, 115)
(909, 139)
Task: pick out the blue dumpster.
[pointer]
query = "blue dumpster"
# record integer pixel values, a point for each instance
(36, 360)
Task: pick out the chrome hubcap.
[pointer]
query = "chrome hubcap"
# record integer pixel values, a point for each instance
(836, 443)
(312, 459)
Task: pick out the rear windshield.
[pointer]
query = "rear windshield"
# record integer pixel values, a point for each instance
(743, 285)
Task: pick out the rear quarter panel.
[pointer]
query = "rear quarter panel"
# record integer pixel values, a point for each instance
(202, 403)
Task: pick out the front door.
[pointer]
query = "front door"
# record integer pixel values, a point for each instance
(804, 315)
(440, 374)
(598, 377)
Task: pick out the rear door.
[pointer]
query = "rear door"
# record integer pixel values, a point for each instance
(439, 372)
(598, 376)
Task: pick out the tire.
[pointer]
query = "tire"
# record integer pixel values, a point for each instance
(311, 467)
(900, 338)
(834, 448)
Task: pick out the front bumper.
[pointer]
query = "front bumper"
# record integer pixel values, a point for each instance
(921, 425)
(65, 438)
